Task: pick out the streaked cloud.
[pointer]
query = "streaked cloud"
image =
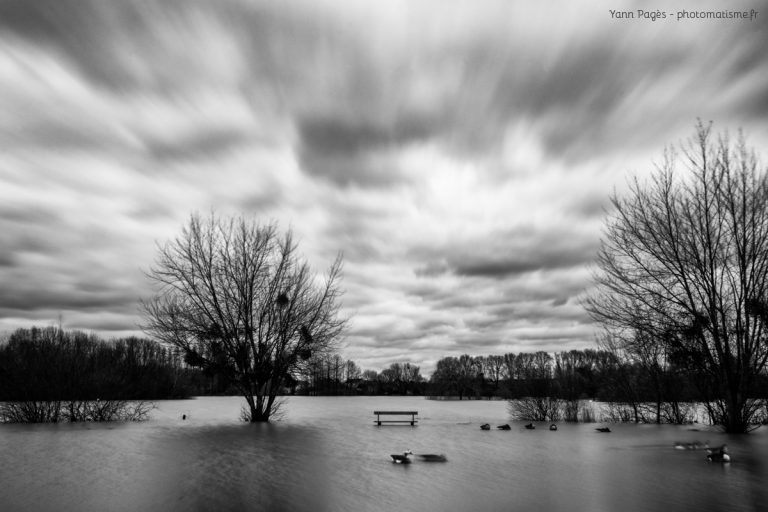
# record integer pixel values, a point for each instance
(459, 154)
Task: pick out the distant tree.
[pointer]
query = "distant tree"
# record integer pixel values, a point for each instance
(238, 300)
(570, 381)
(510, 361)
(494, 370)
(445, 378)
(470, 376)
(412, 375)
(623, 378)
(401, 378)
(684, 262)
(390, 375)
(351, 370)
(336, 367)
(352, 376)
(370, 382)
(534, 373)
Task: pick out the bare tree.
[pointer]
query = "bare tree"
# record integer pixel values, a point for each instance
(445, 378)
(684, 260)
(622, 375)
(237, 299)
(352, 372)
(494, 370)
(469, 376)
(510, 361)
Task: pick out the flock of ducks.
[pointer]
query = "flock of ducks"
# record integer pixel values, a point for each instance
(531, 426)
(713, 454)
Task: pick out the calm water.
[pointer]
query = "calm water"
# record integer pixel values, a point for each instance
(325, 454)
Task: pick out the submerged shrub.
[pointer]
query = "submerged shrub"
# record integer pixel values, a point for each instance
(678, 413)
(535, 409)
(571, 411)
(74, 411)
(32, 411)
(619, 413)
(587, 414)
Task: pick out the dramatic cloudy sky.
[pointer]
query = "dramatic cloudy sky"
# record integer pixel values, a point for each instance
(458, 153)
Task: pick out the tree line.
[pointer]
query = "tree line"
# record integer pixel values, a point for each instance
(51, 374)
(50, 364)
(333, 375)
(546, 386)
(55, 364)
(648, 387)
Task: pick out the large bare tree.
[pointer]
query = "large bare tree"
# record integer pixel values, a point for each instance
(239, 301)
(684, 261)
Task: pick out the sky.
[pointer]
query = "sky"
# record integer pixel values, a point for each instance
(459, 154)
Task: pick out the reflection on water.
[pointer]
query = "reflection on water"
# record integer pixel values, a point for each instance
(326, 455)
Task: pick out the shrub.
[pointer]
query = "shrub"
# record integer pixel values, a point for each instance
(74, 411)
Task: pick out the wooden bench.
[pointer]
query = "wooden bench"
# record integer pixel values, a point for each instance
(412, 414)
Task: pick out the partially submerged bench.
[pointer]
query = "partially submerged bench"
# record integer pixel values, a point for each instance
(412, 414)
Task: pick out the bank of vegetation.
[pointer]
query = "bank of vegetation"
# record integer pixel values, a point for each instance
(53, 375)
(558, 387)
(542, 386)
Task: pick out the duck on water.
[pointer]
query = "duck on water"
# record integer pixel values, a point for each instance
(402, 459)
(719, 455)
(426, 457)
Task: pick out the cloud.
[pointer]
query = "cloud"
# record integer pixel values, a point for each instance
(514, 265)
(347, 138)
(355, 151)
(206, 144)
(432, 269)
(509, 252)
(98, 40)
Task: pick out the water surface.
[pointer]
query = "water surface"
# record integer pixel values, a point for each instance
(326, 454)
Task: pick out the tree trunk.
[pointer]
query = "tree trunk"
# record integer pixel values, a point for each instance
(658, 408)
(260, 416)
(257, 413)
(735, 423)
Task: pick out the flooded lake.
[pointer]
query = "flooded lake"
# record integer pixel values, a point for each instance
(326, 454)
